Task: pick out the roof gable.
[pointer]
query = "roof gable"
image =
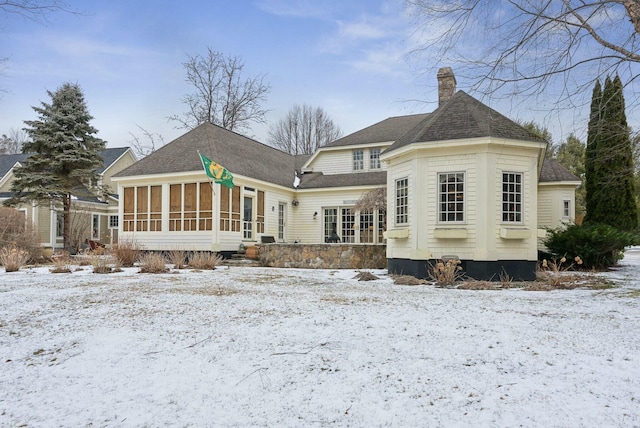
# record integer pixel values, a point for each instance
(237, 153)
(7, 162)
(387, 130)
(463, 117)
(109, 156)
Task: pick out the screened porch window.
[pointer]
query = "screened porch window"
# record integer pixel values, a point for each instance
(142, 208)
(190, 207)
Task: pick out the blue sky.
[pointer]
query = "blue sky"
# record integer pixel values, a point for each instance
(348, 57)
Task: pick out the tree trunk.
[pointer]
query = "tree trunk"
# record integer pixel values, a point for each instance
(66, 229)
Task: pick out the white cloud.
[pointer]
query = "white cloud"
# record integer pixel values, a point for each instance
(83, 47)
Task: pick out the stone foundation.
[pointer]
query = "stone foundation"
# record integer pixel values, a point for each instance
(323, 256)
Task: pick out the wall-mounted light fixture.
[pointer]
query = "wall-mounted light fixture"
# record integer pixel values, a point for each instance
(315, 214)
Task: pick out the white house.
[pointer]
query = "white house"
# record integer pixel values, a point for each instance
(463, 181)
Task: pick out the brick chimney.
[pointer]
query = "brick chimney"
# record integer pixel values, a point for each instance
(446, 85)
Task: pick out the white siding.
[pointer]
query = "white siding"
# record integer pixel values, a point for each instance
(478, 237)
(341, 161)
(518, 249)
(550, 204)
(401, 248)
(429, 169)
(305, 227)
(214, 240)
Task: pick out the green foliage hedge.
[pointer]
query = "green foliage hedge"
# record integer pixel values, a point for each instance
(598, 245)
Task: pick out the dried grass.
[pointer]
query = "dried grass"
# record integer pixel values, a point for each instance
(127, 252)
(366, 276)
(153, 263)
(178, 258)
(13, 258)
(445, 273)
(205, 260)
(556, 273)
(408, 280)
(61, 262)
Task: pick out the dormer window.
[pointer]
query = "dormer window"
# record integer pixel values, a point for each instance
(374, 158)
(358, 160)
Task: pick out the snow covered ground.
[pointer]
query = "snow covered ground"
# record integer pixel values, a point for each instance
(239, 347)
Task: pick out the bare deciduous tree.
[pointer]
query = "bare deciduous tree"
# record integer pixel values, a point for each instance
(528, 44)
(221, 94)
(12, 143)
(303, 130)
(145, 145)
(36, 10)
(375, 199)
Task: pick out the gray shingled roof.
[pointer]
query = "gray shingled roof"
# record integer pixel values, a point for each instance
(238, 154)
(8, 161)
(109, 156)
(317, 180)
(460, 117)
(552, 171)
(387, 130)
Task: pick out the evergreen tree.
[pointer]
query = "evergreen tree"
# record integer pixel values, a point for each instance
(542, 133)
(610, 173)
(66, 154)
(590, 152)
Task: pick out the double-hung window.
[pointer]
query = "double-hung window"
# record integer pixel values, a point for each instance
(566, 208)
(451, 197)
(358, 160)
(374, 158)
(512, 197)
(402, 201)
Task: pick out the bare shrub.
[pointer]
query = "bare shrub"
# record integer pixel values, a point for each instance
(127, 252)
(205, 260)
(61, 263)
(17, 231)
(506, 280)
(178, 258)
(445, 273)
(153, 263)
(82, 260)
(555, 272)
(101, 263)
(13, 258)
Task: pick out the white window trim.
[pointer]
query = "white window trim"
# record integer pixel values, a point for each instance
(375, 159)
(464, 198)
(358, 161)
(395, 202)
(522, 207)
(566, 208)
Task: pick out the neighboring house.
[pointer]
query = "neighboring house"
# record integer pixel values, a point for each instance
(462, 182)
(92, 218)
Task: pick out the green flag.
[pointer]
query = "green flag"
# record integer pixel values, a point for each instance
(217, 172)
